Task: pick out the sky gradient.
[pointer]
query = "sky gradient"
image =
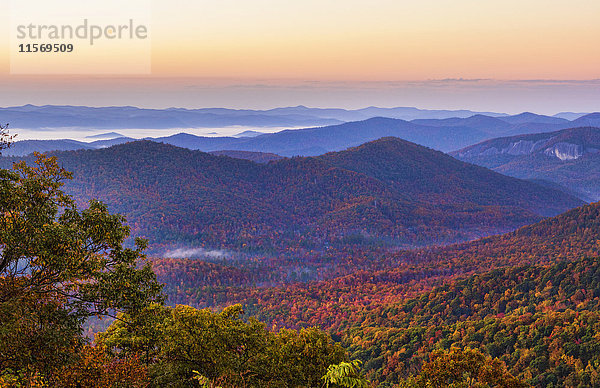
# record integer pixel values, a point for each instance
(484, 55)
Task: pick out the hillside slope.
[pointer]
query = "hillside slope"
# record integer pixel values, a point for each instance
(541, 321)
(383, 278)
(530, 297)
(427, 175)
(173, 195)
(439, 132)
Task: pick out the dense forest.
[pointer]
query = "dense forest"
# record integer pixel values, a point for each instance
(566, 237)
(543, 322)
(308, 309)
(388, 192)
(537, 282)
(60, 266)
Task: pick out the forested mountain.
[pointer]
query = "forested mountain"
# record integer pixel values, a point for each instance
(124, 117)
(505, 125)
(374, 278)
(446, 134)
(293, 142)
(588, 120)
(569, 158)
(543, 322)
(258, 157)
(316, 242)
(389, 191)
(426, 175)
(61, 116)
(529, 297)
(316, 141)
(481, 122)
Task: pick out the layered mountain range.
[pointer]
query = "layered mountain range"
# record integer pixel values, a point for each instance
(445, 134)
(389, 191)
(360, 241)
(83, 117)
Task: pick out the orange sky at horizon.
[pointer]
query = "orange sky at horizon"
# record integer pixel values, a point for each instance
(359, 41)
(378, 40)
(514, 40)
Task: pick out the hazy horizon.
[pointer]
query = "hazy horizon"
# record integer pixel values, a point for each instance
(507, 56)
(512, 97)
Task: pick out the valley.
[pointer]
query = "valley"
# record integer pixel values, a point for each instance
(391, 250)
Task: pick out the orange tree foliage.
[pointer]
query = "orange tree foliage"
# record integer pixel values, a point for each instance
(541, 321)
(97, 368)
(361, 279)
(462, 368)
(392, 318)
(367, 296)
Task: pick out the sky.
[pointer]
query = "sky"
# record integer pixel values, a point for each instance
(508, 56)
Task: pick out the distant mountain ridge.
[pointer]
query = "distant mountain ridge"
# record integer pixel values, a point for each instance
(258, 157)
(66, 116)
(56, 116)
(104, 136)
(388, 191)
(569, 157)
(403, 113)
(528, 117)
(447, 134)
(26, 147)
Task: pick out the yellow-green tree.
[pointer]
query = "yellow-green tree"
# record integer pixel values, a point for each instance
(58, 266)
(184, 346)
(345, 375)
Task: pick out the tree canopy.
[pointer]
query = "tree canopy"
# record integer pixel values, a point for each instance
(462, 368)
(58, 266)
(182, 345)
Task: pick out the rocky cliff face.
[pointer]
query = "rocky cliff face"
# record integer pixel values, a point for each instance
(521, 147)
(565, 151)
(564, 145)
(568, 159)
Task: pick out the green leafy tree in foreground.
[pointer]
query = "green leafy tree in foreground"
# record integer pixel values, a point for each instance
(58, 266)
(459, 368)
(185, 347)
